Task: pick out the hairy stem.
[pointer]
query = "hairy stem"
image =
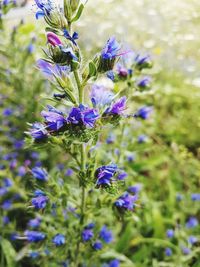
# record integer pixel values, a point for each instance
(80, 87)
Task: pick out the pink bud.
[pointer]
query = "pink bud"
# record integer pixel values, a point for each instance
(53, 39)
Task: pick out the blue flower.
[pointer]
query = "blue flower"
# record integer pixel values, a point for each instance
(168, 252)
(126, 201)
(45, 7)
(83, 116)
(6, 205)
(39, 173)
(192, 222)
(54, 119)
(59, 240)
(7, 112)
(192, 240)
(114, 263)
(39, 202)
(143, 62)
(50, 70)
(5, 220)
(111, 138)
(144, 82)
(111, 49)
(121, 176)
(195, 197)
(97, 245)
(69, 172)
(105, 174)
(135, 189)
(7, 182)
(106, 235)
(38, 193)
(34, 236)
(118, 107)
(71, 38)
(101, 96)
(186, 251)
(38, 131)
(34, 223)
(87, 234)
(144, 112)
(142, 138)
(170, 233)
(111, 75)
(21, 171)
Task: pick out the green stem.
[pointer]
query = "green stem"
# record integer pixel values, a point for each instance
(80, 87)
(83, 186)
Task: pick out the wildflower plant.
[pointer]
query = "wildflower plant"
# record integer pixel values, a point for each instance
(76, 123)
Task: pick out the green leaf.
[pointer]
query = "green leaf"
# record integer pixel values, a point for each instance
(125, 238)
(79, 13)
(92, 69)
(9, 253)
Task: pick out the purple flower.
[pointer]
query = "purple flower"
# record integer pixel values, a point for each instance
(53, 39)
(34, 236)
(87, 234)
(168, 252)
(142, 138)
(3, 191)
(143, 62)
(101, 96)
(49, 70)
(105, 174)
(18, 144)
(131, 157)
(111, 138)
(122, 71)
(7, 182)
(5, 220)
(118, 107)
(106, 235)
(6, 205)
(34, 223)
(39, 202)
(192, 222)
(170, 233)
(126, 201)
(38, 131)
(39, 173)
(192, 240)
(7, 112)
(53, 118)
(21, 171)
(121, 176)
(111, 49)
(83, 116)
(39, 193)
(97, 245)
(144, 112)
(114, 263)
(186, 251)
(195, 197)
(135, 189)
(69, 172)
(144, 82)
(59, 240)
